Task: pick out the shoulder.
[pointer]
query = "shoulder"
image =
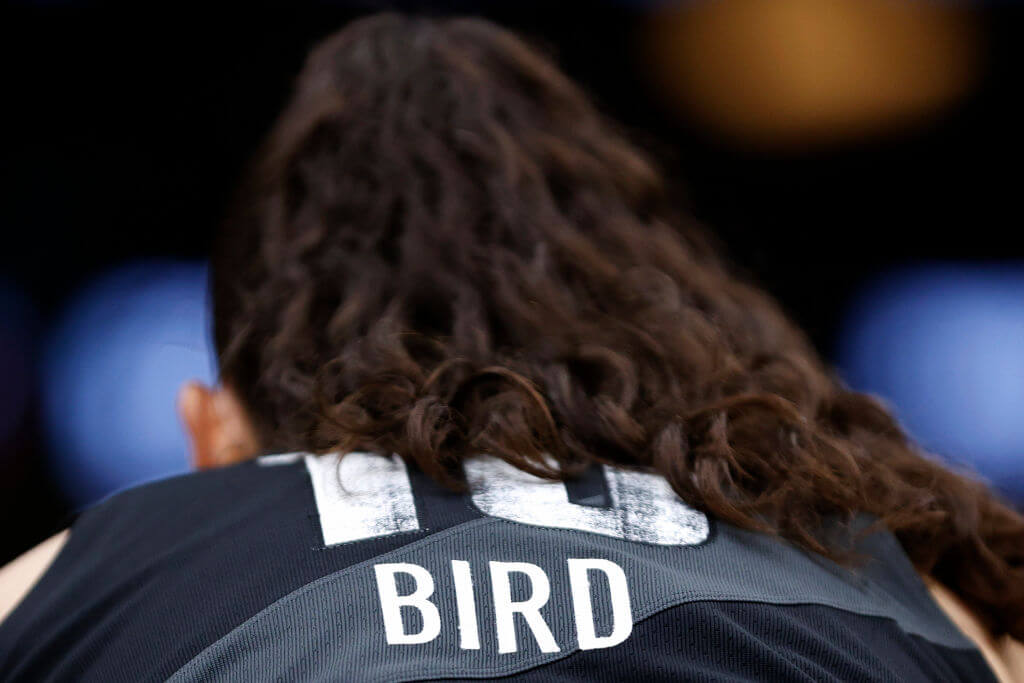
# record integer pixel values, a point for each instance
(180, 560)
(162, 512)
(206, 489)
(18, 576)
(155, 509)
(1005, 656)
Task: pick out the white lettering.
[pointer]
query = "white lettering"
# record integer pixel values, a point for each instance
(391, 603)
(618, 589)
(505, 608)
(469, 635)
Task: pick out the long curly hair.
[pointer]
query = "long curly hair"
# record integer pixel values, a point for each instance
(443, 249)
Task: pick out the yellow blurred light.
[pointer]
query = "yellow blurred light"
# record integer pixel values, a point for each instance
(783, 71)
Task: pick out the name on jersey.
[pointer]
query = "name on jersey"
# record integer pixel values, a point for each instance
(365, 496)
(505, 608)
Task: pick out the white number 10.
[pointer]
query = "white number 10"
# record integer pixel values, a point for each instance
(369, 496)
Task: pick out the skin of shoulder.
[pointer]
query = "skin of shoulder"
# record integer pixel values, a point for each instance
(1005, 656)
(18, 576)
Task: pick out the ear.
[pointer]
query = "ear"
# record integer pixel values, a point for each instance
(217, 427)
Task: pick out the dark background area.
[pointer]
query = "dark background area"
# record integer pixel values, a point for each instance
(127, 126)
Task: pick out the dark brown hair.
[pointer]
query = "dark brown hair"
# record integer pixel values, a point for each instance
(443, 250)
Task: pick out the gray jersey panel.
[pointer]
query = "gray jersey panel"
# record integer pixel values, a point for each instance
(332, 629)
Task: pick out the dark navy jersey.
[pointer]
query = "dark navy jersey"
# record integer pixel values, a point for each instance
(295, 568)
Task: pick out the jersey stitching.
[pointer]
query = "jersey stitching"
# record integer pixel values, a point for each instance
(672, 600)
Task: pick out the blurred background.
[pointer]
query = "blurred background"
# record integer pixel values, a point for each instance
(858, 158)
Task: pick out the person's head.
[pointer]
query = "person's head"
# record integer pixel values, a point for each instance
(444, 250)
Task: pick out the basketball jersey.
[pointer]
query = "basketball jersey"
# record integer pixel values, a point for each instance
(305, 568)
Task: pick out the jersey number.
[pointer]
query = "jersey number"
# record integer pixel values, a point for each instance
(367, 496)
